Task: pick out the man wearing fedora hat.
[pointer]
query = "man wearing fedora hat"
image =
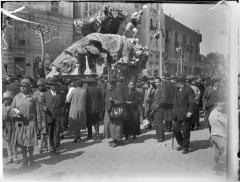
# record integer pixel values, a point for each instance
(54, 102)
(182, 113)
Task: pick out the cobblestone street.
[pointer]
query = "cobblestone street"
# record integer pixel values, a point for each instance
(146, 157)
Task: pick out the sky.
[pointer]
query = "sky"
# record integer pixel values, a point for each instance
(212, 21)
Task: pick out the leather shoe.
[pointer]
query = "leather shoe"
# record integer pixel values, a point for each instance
(161, 140)
(76, 140)
(179, 148)
(89, 137)
(185, 151)
(9, 161)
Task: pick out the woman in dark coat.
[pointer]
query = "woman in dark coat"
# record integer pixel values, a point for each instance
(25, 130)
(131, 126)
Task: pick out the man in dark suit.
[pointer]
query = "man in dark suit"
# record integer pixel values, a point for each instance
(54, 102)
(158, 108)
(182, 113)
(94, 107)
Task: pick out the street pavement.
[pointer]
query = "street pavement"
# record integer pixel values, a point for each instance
(144, 159)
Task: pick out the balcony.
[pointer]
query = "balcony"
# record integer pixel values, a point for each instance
(55, 9)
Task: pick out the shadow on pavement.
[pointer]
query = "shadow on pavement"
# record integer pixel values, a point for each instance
(49, 161)
(141, 138)
(203, 126)
(200, 144)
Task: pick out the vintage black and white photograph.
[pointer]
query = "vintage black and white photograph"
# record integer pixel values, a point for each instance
(110, 91)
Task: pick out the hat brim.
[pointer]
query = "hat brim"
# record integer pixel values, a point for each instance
(7, 98)
(52, 83)
(25, 84)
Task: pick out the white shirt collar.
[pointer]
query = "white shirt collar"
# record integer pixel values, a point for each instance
(53, 92)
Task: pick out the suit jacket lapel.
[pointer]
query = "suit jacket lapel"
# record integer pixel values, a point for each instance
(56, 99)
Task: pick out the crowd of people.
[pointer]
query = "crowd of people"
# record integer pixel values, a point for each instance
(167, 104)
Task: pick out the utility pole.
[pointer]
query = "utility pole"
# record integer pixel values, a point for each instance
(181, 59)
(160, 40)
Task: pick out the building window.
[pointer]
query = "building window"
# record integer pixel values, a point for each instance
(19, 63)
(176, 36)
(19, 37)
(152, 28)
(55, 6)
(176, 40)
(184, 40)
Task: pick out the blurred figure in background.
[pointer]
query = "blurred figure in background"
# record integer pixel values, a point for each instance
(210, 98)
(218, 122)
(8, 126)
(147, 102)
(195, 116)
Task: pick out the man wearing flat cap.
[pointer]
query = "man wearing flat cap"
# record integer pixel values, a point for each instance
(54, 112)
(39, 98)
(182, 113)
(158, 109)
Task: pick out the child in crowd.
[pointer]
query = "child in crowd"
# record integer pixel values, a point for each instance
(8, 126)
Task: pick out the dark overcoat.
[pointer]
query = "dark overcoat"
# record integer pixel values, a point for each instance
(54, 105)
(183, 103)
(94, 104)
(131, 126)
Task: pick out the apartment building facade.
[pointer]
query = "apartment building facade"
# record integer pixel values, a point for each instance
(23, 47)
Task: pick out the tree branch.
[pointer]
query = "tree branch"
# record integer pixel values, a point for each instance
(52, 40)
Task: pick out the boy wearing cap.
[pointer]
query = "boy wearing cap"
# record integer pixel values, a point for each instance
(8, 126)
